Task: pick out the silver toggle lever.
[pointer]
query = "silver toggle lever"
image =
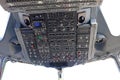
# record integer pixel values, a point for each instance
(59, 74)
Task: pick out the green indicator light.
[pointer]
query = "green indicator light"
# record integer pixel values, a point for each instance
(39, 37)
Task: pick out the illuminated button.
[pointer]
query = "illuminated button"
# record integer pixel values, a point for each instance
(37, 24)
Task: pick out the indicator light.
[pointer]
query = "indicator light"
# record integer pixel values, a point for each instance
(37, 24)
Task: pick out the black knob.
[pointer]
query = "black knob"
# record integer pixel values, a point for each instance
(81, 19)
(27, 22)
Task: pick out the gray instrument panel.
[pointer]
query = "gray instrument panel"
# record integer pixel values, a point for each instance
(55, 39)
(56, 34)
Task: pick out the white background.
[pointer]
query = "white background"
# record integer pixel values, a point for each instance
(100, 70)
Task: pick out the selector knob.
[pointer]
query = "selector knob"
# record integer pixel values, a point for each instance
(63, 29)
(55, 30)
(27, 22)
(81, 19)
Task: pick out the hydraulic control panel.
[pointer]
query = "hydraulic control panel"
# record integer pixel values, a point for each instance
(55, 39)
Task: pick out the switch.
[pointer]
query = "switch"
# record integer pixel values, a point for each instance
(37, 24)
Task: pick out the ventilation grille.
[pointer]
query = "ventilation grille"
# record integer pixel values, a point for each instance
(47, 5)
